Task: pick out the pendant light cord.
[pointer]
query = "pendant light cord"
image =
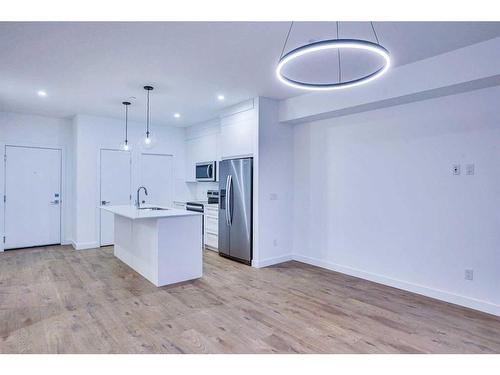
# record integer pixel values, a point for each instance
(126, 124)
(286, 40)
(147, 119)
(374, 33)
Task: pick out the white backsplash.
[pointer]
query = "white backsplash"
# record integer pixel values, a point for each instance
(202, 188)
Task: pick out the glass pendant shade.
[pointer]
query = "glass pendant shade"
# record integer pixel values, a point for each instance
(148, 142)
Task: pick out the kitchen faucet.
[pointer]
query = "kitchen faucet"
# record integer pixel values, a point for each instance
(138, 202)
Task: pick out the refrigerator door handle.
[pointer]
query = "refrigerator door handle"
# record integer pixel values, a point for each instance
(227, 200)
(228, 195)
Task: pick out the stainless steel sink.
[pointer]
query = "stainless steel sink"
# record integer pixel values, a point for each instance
(153, 208)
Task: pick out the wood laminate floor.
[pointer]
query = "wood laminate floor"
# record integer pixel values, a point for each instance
(58, 300)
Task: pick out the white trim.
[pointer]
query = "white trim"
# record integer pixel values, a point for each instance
(240, 156)
(442, 295)
(84, 245)
(271, 261)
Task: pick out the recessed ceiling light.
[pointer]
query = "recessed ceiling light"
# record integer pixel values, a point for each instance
(220, 97)
(41, 93)
(177, 115)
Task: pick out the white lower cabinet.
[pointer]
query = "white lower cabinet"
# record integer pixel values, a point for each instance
(211, 240)
(211, 234)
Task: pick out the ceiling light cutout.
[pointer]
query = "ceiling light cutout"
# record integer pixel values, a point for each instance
(42, 93)
(341, 46)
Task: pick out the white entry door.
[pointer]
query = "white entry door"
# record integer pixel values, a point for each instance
(157, 177)
(32, 196)
(115, 188)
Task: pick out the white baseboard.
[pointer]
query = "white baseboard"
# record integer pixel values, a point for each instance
(211, 248)
(84, 245)
(442, 295)
(271, 261)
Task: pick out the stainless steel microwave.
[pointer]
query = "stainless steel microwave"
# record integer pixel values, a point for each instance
(206, 171)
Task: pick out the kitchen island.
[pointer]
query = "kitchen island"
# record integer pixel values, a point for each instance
(162, 244)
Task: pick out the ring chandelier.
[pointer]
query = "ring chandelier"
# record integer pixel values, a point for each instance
(332, 44)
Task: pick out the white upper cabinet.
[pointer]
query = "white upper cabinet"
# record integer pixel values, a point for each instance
(199, 149)
(233, 136)
(238, 133)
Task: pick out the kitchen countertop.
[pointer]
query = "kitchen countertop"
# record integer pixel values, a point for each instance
(133, 213)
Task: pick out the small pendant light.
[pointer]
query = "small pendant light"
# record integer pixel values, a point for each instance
(125, 145)
(147, 140)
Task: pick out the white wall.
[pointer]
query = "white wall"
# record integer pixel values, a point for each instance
(29, 130)
(93, 133)
(375, 197)
(275, 187)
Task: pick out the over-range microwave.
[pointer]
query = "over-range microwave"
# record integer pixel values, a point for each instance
(206, 171)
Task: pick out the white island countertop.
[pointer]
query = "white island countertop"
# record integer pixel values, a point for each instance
(132, 212)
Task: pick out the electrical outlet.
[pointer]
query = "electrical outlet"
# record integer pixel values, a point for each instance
(456, 169)
(469, 169)
(469, 275)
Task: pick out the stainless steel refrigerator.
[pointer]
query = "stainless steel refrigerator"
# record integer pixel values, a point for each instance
(235, 209)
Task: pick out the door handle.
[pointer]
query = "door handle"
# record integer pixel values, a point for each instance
(103, 203)
(227, 200)
(228, 194)
(56, 201)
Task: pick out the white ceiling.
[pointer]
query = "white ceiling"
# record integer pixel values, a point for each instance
(90, 68)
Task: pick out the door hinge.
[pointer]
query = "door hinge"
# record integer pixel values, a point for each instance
(4, 198)
(3, 239)
(130, 197)
(4, 157)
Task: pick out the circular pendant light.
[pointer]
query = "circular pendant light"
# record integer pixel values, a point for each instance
(332, 44)
(125, 145)
(148, 142)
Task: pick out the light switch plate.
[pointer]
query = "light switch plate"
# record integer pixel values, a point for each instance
(469, 275)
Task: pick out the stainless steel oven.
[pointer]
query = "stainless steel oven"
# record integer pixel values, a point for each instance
(206, 171)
